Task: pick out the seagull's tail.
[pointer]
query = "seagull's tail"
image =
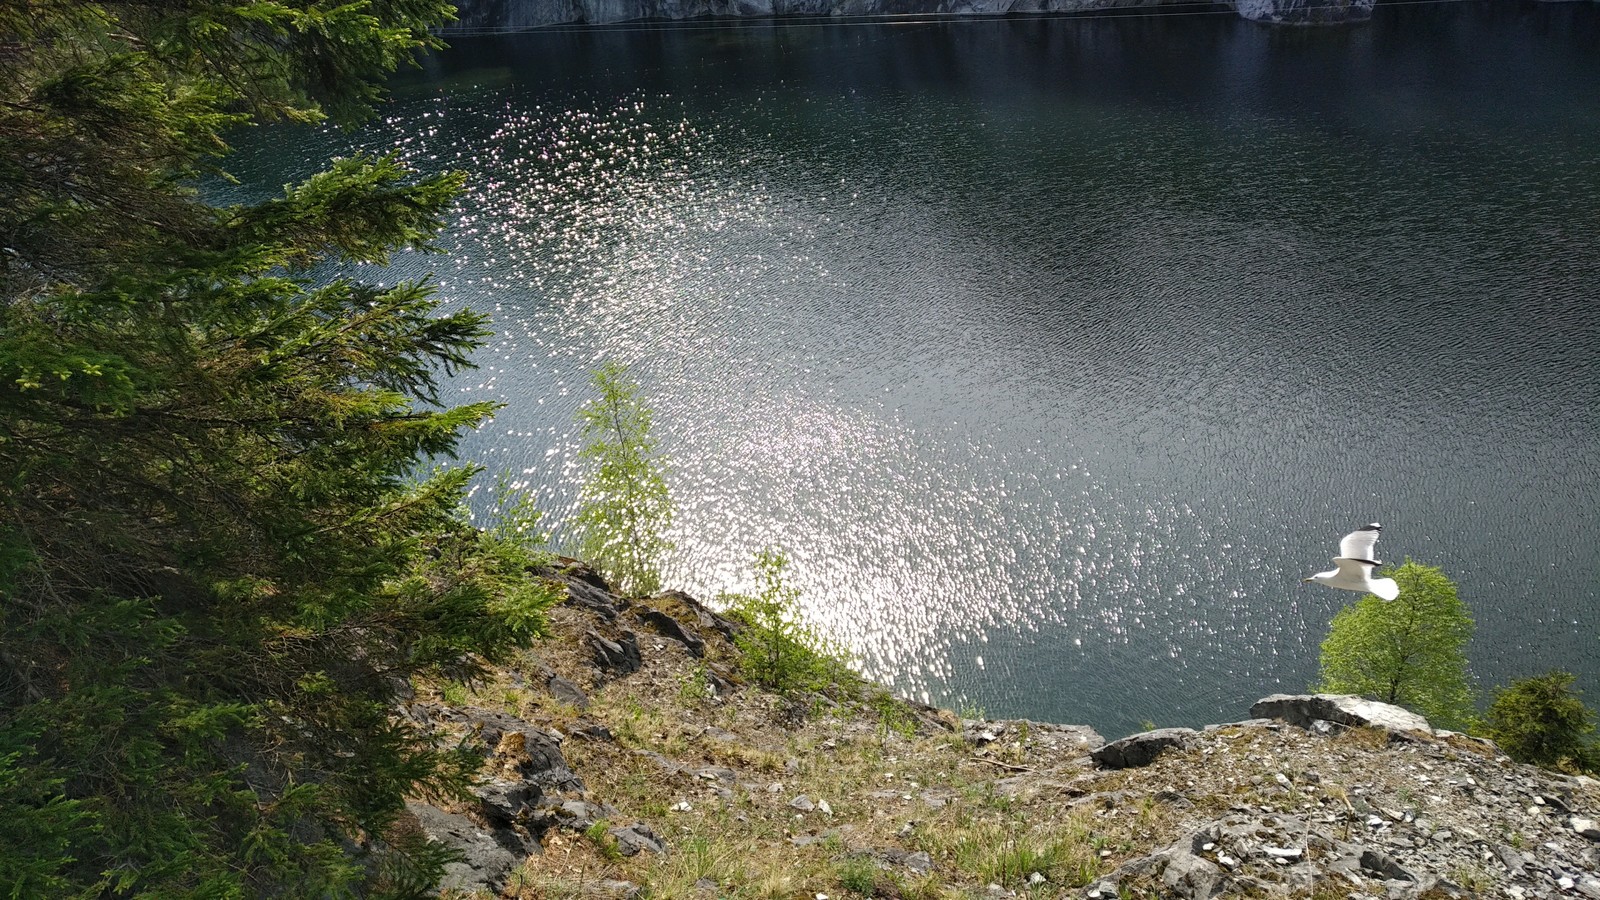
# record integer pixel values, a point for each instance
(1385, 588)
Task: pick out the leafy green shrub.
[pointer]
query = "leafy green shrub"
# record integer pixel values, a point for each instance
(780, 652)
(1409, 651)
(1542, 720)
(624, 508)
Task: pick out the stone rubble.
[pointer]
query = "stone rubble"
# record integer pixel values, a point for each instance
(1332, 795)
(1413, 813)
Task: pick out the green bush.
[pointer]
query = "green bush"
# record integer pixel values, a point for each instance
(1409, 651)
(780, 652)
(624, 508)
(1543, 721)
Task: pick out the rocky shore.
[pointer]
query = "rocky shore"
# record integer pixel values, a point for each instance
(627, 757)
(498, 15)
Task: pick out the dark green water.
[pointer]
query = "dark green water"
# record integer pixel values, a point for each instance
(1056, 352)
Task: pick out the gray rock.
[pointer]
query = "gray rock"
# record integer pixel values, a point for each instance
(485, 864)
(1342, 709)
(1511, 859)
(1047, 736)
(618, 657)
(1191, 876)
(667, 626)
(530, 751)
(705, 616)
(1137, 750)
(1589, 828)
(579, 815)
(593, 731)
(524, 14)
(567, 692)
(503, 801)
(802, 803)
(585, 587)
(637, 838)
(1305, 12)
(1385, 865)
(918, 863)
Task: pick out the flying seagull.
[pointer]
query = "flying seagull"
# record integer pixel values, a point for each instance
(1356, 562)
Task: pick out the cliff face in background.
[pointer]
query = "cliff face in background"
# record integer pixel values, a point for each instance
(481, 15)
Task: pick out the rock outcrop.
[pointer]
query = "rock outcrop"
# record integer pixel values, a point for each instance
(1322, 710)
(480, 15)
(1142, 749)
(1305, 12)
(630, 743)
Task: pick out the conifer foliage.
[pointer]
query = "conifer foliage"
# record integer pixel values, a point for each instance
(1542, 720)
(218, 564)
(624, 508)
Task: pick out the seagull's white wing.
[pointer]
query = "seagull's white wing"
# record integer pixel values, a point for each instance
(1353, 571)
(1360, 545)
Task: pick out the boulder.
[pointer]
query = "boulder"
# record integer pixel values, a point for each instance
(637, 838)
(1182, 873)
(484, 864)
(1384, 865)
(1304, 710)
(566, 692)
(705, 616)
(618, 657)
(520, 748)
(1305, 12)
(667, 626)
(585, 587)
(1137, 750)
(502, 802)
(579, 815)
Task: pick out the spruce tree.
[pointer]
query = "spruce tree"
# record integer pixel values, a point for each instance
(1542, 720)
(624, 509)
(222, 553)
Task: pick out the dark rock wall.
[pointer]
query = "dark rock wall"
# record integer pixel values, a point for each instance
(479, 15)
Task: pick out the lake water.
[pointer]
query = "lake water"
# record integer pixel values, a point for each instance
(1054, 352)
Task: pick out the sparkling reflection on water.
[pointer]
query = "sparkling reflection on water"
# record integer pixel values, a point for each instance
(1055, 353)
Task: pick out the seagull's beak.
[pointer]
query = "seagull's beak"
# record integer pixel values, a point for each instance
(1305, 581)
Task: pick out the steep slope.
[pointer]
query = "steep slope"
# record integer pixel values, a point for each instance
(628, 757)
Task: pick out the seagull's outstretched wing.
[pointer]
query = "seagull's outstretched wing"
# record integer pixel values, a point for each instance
(1360, 545)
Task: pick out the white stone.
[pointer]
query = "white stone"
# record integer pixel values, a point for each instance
(826, 809)
(682, 806)
(1037, 878)
(1589, 828)
(1284, 852)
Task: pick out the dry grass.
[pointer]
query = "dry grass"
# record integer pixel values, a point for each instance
(893, 784)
